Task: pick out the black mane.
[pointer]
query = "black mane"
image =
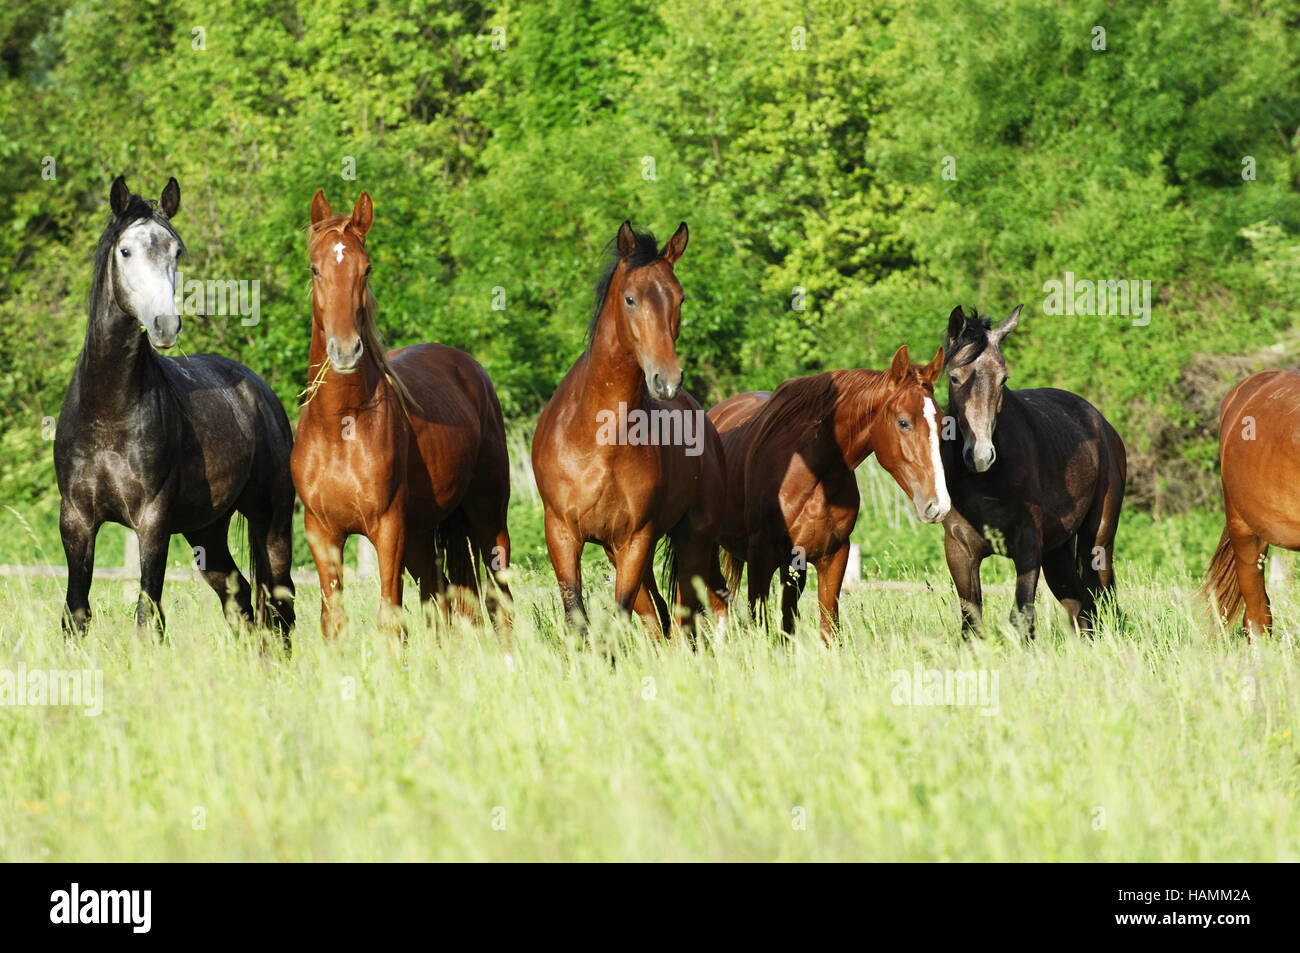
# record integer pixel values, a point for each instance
(645, 253)
(971, 340)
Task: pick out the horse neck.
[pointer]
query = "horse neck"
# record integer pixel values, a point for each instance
(862, 396)
(353, 395)
(116, 358)
(613, 374)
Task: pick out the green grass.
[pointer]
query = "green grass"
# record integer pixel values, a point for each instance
(1154, 742)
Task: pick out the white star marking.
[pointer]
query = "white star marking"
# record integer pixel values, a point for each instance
(338, 252)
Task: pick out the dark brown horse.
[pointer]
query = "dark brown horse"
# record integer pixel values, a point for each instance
(406, 448)
(1260, 467)
(792, 497)
(1037, 476)
(622, 455)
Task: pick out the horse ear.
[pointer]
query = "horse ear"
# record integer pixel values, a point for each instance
(171, 198)
(930, 373)
(1006, 327)
(119, 196)
(320, 207)
(900, 366)
(676, 245)
(625, 241)
(363, 214)
(956, 321)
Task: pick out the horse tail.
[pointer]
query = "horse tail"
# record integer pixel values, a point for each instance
(731, 570)
(668, 578)
(1221, 587)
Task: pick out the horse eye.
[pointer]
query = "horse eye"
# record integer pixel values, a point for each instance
(126, 253)
(631, 302)
(315, 271)
(368, 267)
(903, 424)
(952, 379)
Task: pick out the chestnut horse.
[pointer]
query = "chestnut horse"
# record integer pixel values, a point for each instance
(1038, 476)
(792, 497)
(607, 478)
(1260, 469)
(406, 448)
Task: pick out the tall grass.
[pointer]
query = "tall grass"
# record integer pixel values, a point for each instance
(1158, 740)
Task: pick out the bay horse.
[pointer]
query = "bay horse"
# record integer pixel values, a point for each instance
(168, 445)
(1260, 468)
(620, 487)
(792, 495)
(1038, 476)
(406, 447)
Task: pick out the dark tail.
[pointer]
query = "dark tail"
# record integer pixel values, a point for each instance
(1221, 587)
(668, 577)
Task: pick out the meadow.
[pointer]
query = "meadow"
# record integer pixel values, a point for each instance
(1161, 739)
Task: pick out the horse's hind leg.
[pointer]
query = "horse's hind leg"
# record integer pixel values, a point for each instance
(1063, 579)
(649, 603)
(1096, 555)
(271, 544)
(793, 582)
(1248, 550)
(78, 532)
(212, 559)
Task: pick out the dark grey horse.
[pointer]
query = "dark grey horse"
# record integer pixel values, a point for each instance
(1034, 475)
(168, 444)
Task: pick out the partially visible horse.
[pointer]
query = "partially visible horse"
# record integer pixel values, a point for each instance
(406, 448)
(792, 496)
(168, 444)
(1037, 475)
(623, 456)
(1259, 461)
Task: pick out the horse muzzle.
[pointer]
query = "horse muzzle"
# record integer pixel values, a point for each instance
(163, 331)
(980, 457)
(663, 386)
(344, 358)
(931, 510)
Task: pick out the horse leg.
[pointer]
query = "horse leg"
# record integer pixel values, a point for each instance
(649, 604)
(830, 577)
(277, 544)
(420, 559)
(154, 540)
(389, 540)
(1096, 557)
(565, 550)
(697, 564)
(491, 538)
(631, 564)
(762, 564)
(964, 559)
(78, 532)
(1248, 550)
(793, 582)
(211, 548)
(1063, 579)
(1028, 559)
(326, 544)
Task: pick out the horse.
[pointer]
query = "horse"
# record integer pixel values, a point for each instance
(1038, 476)
(406, 448)
(792, 496)
(1259, 466)
(623, 456)
(168, 445)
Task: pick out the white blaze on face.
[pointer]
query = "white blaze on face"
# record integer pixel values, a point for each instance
(936, 463)
(145, 279)
(338, 252)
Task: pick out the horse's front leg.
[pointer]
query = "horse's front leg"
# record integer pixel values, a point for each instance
(78, 531)
(326, 544)
(830, 578)
(389, 540)
(964, 566)
(630, 564)
(1028, 558)
(154, 539)
(565, 549)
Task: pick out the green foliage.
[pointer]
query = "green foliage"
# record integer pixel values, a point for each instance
(805, 145)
